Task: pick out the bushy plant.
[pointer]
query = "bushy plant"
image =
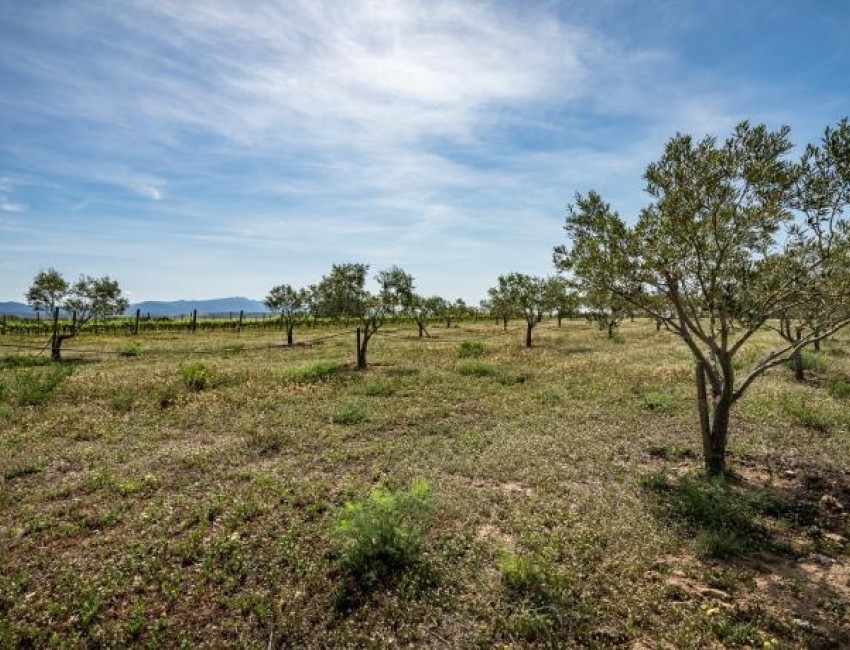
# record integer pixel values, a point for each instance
(384, 532)
(511, 378)
(33, 387)
(130, 350)
(839, 388)
(470, 350)
(351, 413)
(312, 374)
(196, 376)
(475, 368)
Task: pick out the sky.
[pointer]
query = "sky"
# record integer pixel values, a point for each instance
(218, 148)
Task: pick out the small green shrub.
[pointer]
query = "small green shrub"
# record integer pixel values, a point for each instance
(470, 350)
(720, 544)
(511, 378)
(165, 395)
(120, 400)
(380, 388)
(658, 402)
(196, 376)
(20, 470)
(130, 350)
(33, 386)
(839, 388)
(809, 416)
(475, 368)
(312, 374)
(351, 413)
(813, 361)
(384, 532)
(549, 396)
(24, 361)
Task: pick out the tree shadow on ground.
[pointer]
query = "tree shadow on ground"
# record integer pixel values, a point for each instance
(782, 528)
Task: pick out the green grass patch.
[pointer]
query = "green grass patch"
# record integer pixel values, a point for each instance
(24, 361)
(839, 388)
(380, 388)
(350, 413)
(313, 374)
(811, 416)
(475, 368)
(470, 350)
(511, 377)
(32, 386)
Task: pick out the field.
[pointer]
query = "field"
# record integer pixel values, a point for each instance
(189, 491)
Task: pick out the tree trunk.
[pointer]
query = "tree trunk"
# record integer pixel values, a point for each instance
(421, 328)
(529, 326)
(610, 329)
(560, 317)
(657, 324)
(289, 335)
(361, 353)
(797, 366)
(505, 324)
(714, 430)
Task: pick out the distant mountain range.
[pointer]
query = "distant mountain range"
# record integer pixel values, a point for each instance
(158, 309)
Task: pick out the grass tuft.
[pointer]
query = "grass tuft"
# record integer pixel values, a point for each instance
(312, 374)
(475, 368)
(470, 350)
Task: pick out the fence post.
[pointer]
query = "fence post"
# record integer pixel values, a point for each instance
(194, 320)
(3, 329)
(239, 326)
(138, 314)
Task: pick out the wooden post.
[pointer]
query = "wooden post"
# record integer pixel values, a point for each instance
(239, 326)
(138, 314)
(3, 329)
(194, 320)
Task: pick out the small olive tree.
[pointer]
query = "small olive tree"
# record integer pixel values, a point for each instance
(86, 299)
(343, 293)
(560, 296)
(737, 236)
(293, 306)
(522, 294)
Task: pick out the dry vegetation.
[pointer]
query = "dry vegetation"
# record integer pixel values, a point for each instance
(163, 498)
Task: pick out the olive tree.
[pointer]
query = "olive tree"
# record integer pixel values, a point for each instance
(522, 294)
(343, 293)
(560, 296)
(423, 310)
(86, 299)
(714, 254)
(291, 304)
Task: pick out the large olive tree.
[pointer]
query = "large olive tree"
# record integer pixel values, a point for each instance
(86, 299)
(737, 236)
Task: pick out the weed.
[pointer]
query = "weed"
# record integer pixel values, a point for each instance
(809, 416)
(34, 386)
(351, 413)
(839, 388)
(312, 374)
(133, 349)
(657, 402)
(470, 350)
(165, 395)
(549, 396)
(120, 400)
(511, 378)
(196, 376)
(21, 470)
(24, 361)
(812, 361)
(384, 532)
(475, 368)
(380, 388)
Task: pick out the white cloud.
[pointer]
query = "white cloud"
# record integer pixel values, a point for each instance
(9, 206)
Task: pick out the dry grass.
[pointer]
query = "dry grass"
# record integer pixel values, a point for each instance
(135, 510)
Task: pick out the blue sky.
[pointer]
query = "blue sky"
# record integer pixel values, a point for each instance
(211, 148)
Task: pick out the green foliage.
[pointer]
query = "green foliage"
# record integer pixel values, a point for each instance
(196, 376)
(24, 361)
(549, 396)
(130, 350)
(470, 350)
(21, 470)
(351, 413)
(723, 520)
(380, 388)
(511, 378)
(165, 395)
(804, 413)
(475, 368)
(839, 388)
(657, 402)
(31, 387)
(312, 374)
(812, 361)
(383, 533)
